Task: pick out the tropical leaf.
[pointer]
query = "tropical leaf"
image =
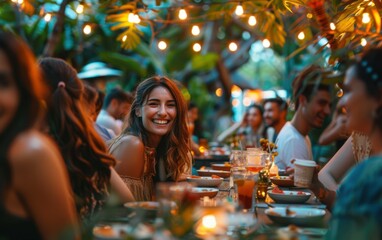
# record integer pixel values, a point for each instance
(285, 5)
(124, 62)
(204, 62)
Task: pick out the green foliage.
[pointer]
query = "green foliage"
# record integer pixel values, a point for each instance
(204, 62)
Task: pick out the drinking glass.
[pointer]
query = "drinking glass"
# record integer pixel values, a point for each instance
(244, 186)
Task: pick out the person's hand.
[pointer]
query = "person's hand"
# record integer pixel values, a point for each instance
(340, 127)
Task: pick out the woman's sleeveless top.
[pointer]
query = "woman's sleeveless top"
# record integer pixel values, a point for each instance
(361, 146)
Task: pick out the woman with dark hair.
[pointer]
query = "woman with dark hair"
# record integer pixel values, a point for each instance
(90, 167)
(155, 147)
(358, 206)
(36, 201)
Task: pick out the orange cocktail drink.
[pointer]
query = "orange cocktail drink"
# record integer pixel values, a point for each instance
(244, 187)
(254, 168)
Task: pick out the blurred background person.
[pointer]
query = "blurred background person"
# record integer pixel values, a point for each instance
(312, 100)
(275, 113)
(90, 166)
(36, 201)
(192, 116)
(116, 106)
(156, 145)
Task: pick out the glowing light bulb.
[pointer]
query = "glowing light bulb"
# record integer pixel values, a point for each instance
(232, 47)
(124, 38)
(219, 92)
(266, 43)
(162, 45)
(136, 19)
(301, 36)
(80, 9)
(239, 10)
(182, 14)
(133, 18)
(87, 29)
(247, 101)
(252, 21)
(309, 15)
(195, 30)
(332, 26)
(197, 47)
(365, 18)
(47, 17)
(363, 42)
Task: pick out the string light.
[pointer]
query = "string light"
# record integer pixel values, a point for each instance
(301, 36)
(133, 18)
(309, 15)
(87, 29)
(195, 30)
(332, 26)
(252, 21)
(365, 18)
(219, 92)
(363, 42)
(124, 38)
(266, 43)
(197, 47)
(182, 14)
(232, 47)
(162, 45)
(18, 1)
(47, 17)
(80, 9)
(239, 10)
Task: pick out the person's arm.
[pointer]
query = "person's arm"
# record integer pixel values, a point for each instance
(336, 130)
(119, 187)
(333, 172)
(41, 180)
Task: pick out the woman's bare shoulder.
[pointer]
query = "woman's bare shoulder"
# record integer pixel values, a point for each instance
(131, 141)
(32, 145)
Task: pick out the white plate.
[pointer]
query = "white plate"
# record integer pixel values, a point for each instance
(289, 196)
(298, 216)
(147, 209)
(294, 232)
(206, 181)
(202, 192)
(220, 173)
(221, 166)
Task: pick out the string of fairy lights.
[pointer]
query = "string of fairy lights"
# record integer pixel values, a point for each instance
(196, 29)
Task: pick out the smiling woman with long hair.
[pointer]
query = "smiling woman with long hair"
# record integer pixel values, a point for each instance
(155, 147)
(36, 201)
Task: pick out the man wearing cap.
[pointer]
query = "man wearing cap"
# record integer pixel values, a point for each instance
(312, 104)
(116, 106)
(97, 74)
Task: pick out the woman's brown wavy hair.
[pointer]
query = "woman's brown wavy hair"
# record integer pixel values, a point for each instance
(26, 74)
(174, 147)
(83, 150)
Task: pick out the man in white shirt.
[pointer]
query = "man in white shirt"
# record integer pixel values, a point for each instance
(312, 104)
(116, 106)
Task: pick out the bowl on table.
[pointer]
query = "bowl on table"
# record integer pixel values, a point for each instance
(117, 231)
(204, 192)
(281, 196)
(221, 166)
(296, 215)
(205, 181)
(148, 209)
(282, 181)
(208, 173)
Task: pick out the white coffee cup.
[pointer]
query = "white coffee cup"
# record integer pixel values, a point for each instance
(303, 172)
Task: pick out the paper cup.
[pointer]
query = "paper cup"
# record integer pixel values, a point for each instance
(303, 172)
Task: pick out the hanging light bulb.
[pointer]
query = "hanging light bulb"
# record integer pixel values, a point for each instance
(219, 92)
(301, 35)
(195, 30)
(232, 47)
(162, 45)
(136, 19)
(182, 14)
(332, 26)
(47, 17)
(266, 43)
(239, 10)
(87, 29)
(197, 47)
(363, 42)
(133, 18)
(124, 38)
(80, 9)
(365, 18)
(309, 15)
(252, 21)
